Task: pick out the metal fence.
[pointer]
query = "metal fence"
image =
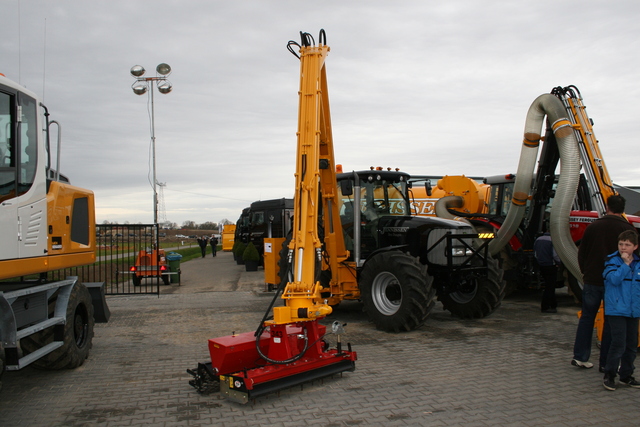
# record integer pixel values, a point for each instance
(118, 249)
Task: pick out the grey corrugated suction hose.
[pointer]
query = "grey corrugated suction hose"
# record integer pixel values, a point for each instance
(550, 106)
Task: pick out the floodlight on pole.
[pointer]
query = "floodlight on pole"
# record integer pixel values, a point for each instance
(140, 86)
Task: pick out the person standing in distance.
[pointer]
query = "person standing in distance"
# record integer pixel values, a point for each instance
(202, 242)
(599, 240)
(548, 262)
(214, 245)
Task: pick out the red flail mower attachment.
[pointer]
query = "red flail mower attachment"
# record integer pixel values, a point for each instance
(244, 366)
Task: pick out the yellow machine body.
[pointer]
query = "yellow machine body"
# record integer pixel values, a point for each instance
(228, 237)
(474, 195)
(47, 224)
(271, 269)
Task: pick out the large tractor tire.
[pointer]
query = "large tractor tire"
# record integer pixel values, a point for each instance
(478, 296)
(78, 334)
(396, 291)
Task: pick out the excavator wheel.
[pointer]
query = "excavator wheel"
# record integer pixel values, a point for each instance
(396, 291)
(477, 296)
(78, 334)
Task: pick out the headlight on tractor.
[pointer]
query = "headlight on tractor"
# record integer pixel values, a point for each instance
(461, 251)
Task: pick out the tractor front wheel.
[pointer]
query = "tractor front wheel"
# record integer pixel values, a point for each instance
(396, 291)
(477, 296)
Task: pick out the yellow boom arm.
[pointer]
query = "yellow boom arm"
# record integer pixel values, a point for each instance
(593, 164)
(314, 151)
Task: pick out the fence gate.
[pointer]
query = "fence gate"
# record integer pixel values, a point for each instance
(118, 249)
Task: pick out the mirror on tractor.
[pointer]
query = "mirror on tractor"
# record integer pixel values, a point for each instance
(346, 187)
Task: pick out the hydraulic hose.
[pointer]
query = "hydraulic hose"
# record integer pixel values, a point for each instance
(282, 362)
(261, 327)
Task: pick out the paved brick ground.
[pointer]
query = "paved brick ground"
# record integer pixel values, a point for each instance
(511, 368)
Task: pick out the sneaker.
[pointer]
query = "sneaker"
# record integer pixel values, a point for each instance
(609, 383)
(631, 382)
(579, 364)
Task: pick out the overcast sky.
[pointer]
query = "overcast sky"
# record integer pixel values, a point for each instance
(432, 87)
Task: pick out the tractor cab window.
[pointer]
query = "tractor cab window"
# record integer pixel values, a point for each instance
(257, 218)
(379, 198)
(500, 198)
(382, 198)
(346, 212)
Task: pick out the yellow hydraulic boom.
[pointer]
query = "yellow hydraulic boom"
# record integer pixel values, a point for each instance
(302, 295)
(593, 164)
(291, 348)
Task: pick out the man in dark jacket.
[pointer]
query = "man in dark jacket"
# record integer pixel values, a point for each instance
(214, 245)
(599, 240)
(202, 242)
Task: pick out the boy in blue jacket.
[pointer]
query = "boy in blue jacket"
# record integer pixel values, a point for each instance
(622, 310)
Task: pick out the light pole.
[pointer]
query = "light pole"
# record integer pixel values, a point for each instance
(140, 87)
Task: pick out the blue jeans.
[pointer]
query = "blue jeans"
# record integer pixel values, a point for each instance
(624, 345)
(591, 298)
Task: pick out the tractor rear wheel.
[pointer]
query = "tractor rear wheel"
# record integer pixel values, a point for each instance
(77, 335)
(396, 291)
(477, 295)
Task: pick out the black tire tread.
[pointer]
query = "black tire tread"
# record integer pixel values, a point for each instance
(69, 356)
(488, 296)
(418, 293)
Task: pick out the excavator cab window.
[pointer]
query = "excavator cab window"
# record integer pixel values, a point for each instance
(7, 148)
(28, 152)
(18, 144)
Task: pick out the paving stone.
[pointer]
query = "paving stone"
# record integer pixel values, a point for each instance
(511, 368)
